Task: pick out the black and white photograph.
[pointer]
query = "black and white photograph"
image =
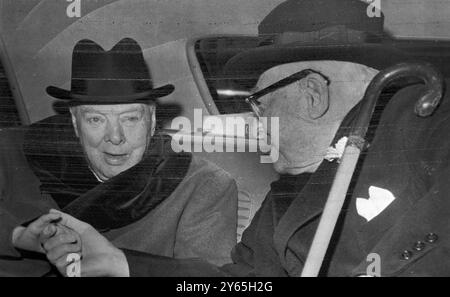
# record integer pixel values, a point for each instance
(210, 142)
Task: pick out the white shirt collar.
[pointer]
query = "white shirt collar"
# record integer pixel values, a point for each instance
(95, 174)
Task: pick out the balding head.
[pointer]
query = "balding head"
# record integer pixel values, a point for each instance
(348, 82)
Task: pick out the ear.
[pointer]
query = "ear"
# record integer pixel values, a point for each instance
(315, 87)
(73, 113)
(150, 111)
(153, 121)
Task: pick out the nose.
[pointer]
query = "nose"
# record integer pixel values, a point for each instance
(263, 103)
(114, 133)
(254, 105)
(264, 100)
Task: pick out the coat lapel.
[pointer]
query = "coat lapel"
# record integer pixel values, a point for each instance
(391, 165)
(307, 206)
(369, 232)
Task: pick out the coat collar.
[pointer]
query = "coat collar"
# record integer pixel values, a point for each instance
(307, 206)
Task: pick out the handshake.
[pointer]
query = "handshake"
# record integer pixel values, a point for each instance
(74, 247)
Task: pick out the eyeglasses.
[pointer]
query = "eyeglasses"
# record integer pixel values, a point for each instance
(252, 100)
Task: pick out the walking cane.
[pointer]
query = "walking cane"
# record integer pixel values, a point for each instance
(423, 108)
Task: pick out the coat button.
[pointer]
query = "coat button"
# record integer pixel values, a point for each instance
(406, 255)
(431, 238)
(419, 246)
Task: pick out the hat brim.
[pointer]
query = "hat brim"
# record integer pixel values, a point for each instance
(250, 64)
(141, 97)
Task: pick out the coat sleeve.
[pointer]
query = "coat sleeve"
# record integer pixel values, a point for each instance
(19, 203)
(143, 264)
(243, 255)
(7, 221)
(147, 265)
(208, 225)
(253, 256)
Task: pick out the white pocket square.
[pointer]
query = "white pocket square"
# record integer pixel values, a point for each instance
(378, 200)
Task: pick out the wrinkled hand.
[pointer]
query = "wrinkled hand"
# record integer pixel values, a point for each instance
(58, 241)
(99, 256)
(27, 238)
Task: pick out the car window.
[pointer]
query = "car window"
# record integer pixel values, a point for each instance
(9, 116)
(212, 54)
(229, 90)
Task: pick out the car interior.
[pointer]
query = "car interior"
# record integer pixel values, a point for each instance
(194, 64)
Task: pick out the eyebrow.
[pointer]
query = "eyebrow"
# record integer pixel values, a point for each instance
(287, 81)
(93, 110)
(252, 100)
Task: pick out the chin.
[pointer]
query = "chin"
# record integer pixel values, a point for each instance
(118, 170)
(111, 172)
(280, 167)
(284, 168)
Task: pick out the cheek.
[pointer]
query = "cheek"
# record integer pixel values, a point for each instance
(137, 136)
(286, 136)
(92, 138)
(297, 108)
(285, 120)
(281, 106)
(291, 135)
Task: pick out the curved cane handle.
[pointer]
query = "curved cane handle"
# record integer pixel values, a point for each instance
(424, 107)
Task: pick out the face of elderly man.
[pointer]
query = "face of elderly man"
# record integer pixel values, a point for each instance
(310, 111)
(114, 137)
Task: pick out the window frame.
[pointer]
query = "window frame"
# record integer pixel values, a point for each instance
(199, 77)
(13, 84)
(197, 73)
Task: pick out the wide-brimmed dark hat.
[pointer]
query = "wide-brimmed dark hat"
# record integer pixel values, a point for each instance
(314, 15)
(252, 63)
(309, 19)
(117, 76)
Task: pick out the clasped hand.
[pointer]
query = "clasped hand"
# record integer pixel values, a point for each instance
(59, 235)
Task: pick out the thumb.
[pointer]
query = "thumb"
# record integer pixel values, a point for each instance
(71, 222)
(39, 224)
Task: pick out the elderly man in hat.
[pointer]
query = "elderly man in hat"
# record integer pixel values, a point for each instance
(105, 164)
(398, 209)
